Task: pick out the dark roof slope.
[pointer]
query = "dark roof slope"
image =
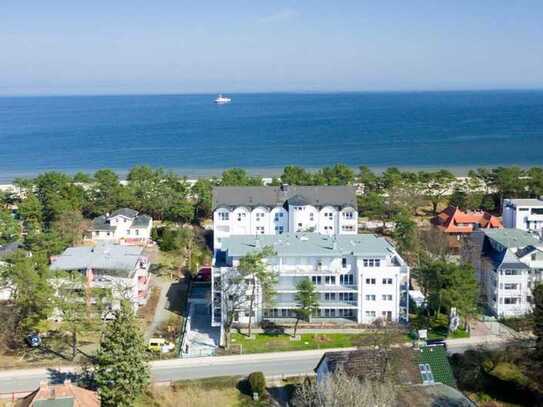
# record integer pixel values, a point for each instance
(141, 221)
(101, 223)
(397, 364)
(318, 196)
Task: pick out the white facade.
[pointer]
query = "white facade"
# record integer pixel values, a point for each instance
(329, 210)
(328, 220)
(123, 226)
(359, 278)
(523, 214)
(509, 263)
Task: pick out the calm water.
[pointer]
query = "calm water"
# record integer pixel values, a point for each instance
(190, 134)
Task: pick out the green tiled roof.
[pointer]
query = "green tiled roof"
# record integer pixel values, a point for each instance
(308, 244)
(436, 357)
(512, 238)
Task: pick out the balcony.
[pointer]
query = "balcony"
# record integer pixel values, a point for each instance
(322, 304)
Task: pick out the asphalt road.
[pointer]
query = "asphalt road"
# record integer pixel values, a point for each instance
(271, 364)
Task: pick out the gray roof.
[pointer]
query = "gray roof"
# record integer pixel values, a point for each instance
(9, 248)
(141, 221)
(127, 212)
(318, 196)
(308, 244)
(100, 223)
(526, 202)
(104, 256)
(512, 238)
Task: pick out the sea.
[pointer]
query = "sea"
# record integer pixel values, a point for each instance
(263, 132)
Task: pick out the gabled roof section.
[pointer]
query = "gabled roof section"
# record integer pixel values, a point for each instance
(60, 395)
(297, 200)
(101, 223)
(272, 196)
(141, 221)
(126, 212)
(399, 365)
(512, 238)
(453, 220)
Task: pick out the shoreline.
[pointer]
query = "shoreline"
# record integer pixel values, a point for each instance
(264, 172)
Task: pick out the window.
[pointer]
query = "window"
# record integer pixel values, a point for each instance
(387, 315)
(372, 262)
(346, 279)
(370, 281)
(387, 281)
(316, 280)
(311, 216)
(260, 229)
(370, 297)
(329, 215)
(259, 216)
(137, 232)
(279, 229)
(534, 256)
(330, 280)
(511, 272)
(387, 297)
(108, 234)
(510, 286)
(224, 216)
(344, 262)
(346, 296)
(241, 215)
(522, 209)
(345, 313)
(329, 296)
(128, 232)
(347, 228)
(537, 211)
(370, 314)
(426, 373)
(330, 228)
(348, 215)
(510, 300)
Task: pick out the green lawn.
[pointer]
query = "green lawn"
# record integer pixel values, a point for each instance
(282, 342)
(439, 328)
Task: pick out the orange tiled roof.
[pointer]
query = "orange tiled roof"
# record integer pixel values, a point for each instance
(81, 397)
(453, 220)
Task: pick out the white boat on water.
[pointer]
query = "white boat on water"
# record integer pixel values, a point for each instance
(221, 100)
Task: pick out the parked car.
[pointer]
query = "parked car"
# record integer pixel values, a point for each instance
(160, 345)
(437, 342)
(33, 340)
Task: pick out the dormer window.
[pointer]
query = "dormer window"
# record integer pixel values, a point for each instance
(224, 216)
(348, 215)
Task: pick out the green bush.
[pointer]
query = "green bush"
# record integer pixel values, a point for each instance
(257, 381)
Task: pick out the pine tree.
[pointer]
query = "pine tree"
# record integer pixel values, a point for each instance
(121, 373)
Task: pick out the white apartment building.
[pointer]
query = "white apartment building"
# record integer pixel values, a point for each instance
(524, 214)
(359, 278)
(509, 263)
(124, 270)
(123, 226)
(268, 210)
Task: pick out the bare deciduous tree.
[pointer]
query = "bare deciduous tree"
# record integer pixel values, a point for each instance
(342, 390)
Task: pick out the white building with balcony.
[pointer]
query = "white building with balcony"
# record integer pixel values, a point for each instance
(124, 225)
(509, 263)
(123, 270)
(359, 278)
(523, 214)
(268, 210)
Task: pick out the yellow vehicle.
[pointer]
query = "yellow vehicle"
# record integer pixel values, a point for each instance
(160, 345)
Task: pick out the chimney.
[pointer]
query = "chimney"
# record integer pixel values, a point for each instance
(284, 188)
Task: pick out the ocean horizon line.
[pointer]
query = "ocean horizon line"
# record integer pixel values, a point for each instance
(274, 92)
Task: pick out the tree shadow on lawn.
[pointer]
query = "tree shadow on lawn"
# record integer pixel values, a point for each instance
(177, 298)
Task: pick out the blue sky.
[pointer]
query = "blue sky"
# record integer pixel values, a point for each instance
(176, 46)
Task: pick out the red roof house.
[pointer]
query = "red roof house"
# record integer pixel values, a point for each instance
(454, 221)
